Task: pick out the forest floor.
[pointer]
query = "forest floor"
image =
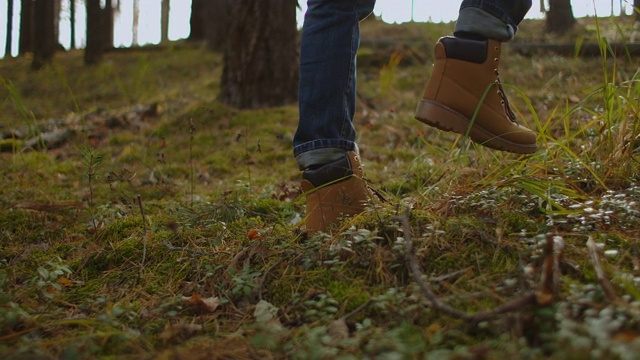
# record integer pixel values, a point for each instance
(140, 218)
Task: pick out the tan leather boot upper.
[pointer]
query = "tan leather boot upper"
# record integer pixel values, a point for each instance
(464, 95)
(328, 203)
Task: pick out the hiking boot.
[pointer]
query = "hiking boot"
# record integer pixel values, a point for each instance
(464, 95)
(333, 191)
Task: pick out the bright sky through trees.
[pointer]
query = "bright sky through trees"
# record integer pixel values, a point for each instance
(149, 21)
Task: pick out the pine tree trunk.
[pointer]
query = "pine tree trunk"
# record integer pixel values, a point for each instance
(26, 27)
(56, 20)
(261, 59)
(99, 31)
(196, 22)
(136, 16)
(107, 25)
(560, 17)
(164, 28)
(217, 21)
(9, 42)
(72, 20)
(44, 41)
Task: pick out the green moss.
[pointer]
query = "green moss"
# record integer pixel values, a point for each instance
(352, 293)
(122, 229)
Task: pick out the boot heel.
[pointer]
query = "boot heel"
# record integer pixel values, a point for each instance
(442, 117)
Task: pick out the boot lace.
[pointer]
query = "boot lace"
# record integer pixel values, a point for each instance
(504, 100)
(503, 96)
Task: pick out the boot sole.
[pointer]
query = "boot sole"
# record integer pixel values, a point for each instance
(444, 118)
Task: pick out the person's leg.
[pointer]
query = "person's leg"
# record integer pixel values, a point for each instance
(492, 19)
(324, 143)
(464, 93)
(327, 89)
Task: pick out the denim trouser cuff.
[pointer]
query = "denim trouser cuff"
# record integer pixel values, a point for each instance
(476, 21)
(321, 156)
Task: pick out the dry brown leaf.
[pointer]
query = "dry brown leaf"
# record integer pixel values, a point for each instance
(254, 234)
(65, 282)
(199, 303)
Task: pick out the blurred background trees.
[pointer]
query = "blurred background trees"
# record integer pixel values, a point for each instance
(259, 42)
(559, 17)
(44, 32)
(99, 30)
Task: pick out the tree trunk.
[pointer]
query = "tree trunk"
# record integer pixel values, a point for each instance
(26, 27)
(9, 42)
(56, 20)
(216, 22)
(107, 26)
(44, 41)
(136, 16)
(99, 31)
(72, 20)
(164, 28)
(93, 50)
(196, 22)
(261, 59)
(560, 17)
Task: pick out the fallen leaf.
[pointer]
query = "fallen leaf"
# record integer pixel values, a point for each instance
(338, 329)
(267, 314)
(254, 234)
(199, 303)
(65, 282)
(265, 311)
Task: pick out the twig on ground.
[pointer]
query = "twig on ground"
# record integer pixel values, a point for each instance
(515, 304)
(144, 231)
(609, 292)
(549, 278)
(452, 275)
(634, 256)
(264, 277)
(357, 310)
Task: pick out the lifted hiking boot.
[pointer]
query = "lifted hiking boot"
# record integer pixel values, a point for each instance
(455, 99)
(334, 191)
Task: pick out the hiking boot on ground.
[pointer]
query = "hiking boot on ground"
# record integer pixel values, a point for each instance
(455, 100)
(334, 191)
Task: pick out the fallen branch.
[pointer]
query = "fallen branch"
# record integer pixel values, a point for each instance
(515, 304)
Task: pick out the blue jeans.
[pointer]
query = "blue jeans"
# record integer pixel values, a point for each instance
(330, 41)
